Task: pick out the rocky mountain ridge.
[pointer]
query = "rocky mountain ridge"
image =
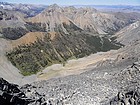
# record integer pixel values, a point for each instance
(88, 19)
(54, 16)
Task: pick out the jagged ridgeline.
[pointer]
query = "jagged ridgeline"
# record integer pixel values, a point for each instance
(57, 47)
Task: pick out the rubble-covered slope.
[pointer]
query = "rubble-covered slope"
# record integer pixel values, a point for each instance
(7, 70)
(106, 85)
(129, 34)
(96, 87)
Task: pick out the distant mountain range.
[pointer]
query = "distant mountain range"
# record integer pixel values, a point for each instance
(32, 9)
(28, 9)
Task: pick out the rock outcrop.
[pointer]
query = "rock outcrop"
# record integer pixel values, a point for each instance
(130, 92)
(10, 94)
(129, 98)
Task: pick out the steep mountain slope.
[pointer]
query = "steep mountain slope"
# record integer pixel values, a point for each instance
(88, 19)
(28, 39)
(13, 25)
(100, 22)
(91, 20)
(7, 70)
(52, 17)
(56, 35)
(129, 34)
(98, 86)
(56, 47)
(130, 38)
(9, 18)
(95, 87)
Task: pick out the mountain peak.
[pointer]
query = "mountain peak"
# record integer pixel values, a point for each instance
(54, 6)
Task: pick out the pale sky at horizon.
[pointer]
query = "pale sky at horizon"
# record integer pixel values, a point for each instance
(76, 2)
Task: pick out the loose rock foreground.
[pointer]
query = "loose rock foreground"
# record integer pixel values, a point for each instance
(95, 87)
(11, 95)
(101, 86)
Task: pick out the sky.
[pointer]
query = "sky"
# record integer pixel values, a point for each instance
(76, 2)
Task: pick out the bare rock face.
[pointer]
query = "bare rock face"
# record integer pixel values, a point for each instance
(94, 21)
(11, 94)
(100, 86)
(52, 17)
(14, 25)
